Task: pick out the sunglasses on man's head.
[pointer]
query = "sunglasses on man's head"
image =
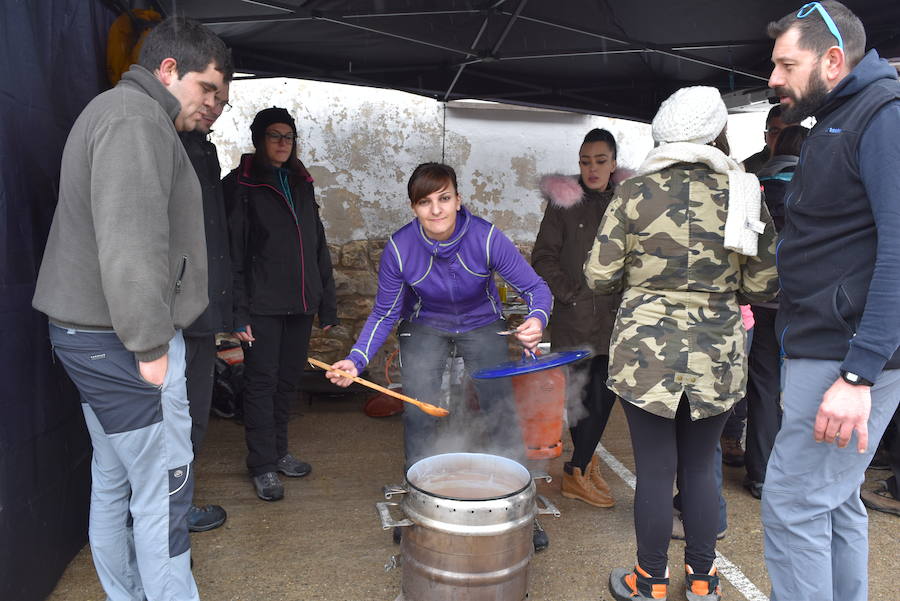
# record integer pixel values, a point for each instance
(807, 9)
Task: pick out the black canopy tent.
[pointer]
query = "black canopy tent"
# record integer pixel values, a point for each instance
(599, 56)
(618, 59)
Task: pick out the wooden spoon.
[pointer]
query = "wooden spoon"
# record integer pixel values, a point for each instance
(426, 407)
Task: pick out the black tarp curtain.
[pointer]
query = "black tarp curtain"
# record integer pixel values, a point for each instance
(52, 62)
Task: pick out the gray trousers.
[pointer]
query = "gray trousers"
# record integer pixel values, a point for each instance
(141, 471)
(816, 528)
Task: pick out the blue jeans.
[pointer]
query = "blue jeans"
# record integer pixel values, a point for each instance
(424, 352)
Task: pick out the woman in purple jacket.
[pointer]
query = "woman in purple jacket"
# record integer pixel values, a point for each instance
(437, 276)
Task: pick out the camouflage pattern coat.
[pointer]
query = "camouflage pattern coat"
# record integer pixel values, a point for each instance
(678, 330)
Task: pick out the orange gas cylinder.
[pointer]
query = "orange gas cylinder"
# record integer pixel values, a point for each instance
(540, 405)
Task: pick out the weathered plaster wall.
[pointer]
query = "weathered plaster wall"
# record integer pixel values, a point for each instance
(361, 144)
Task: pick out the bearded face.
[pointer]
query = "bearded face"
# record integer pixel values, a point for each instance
(802, 102)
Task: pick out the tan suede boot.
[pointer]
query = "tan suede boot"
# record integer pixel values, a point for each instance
(577, 485)
(593, 470)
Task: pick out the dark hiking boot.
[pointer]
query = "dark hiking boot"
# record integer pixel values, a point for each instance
(207, 517)
(268, 487)
(539, 538)
(678, 529)
(881, 499)
(293, 467)
(753, 487)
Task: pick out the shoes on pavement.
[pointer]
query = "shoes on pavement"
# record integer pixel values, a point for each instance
(678, 529)
(580, 485)
(881, 460)
(702, 587)
(732, 452)
(268, 486)
(637, 585)
(754, 488)
(206, 517)
(881, 499)
(593, 470)
(539, 538)
(293, 467)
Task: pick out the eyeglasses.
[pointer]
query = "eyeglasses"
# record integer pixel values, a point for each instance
(277, 137)
(773, 130)
(807, 9)
(223, 105)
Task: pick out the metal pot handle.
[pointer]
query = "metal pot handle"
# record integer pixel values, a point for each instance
(388, 522)
(394, 489)
(548, 508)
(539, 475)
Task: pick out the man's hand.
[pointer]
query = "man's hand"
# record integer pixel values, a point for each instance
(844, 408)
(154, 371)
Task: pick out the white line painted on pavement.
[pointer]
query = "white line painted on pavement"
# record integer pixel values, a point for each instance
(728, 570)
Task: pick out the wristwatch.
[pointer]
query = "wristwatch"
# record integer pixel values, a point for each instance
(855, 379)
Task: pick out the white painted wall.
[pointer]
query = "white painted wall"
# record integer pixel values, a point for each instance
(361, 144)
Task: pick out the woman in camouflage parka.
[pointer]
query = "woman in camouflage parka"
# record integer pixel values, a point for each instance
(677, 354)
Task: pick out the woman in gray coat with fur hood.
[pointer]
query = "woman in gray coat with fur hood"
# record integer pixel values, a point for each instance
(581, 318)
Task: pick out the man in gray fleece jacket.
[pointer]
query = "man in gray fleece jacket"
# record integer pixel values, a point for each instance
(123, 272)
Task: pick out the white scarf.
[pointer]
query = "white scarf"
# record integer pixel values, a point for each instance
(742, 225)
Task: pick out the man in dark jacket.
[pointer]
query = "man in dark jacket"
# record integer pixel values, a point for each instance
(774, 125)
(200, 336)
(839, 266)
(124, 271)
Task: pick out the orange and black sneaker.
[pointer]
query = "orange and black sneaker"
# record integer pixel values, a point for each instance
(702, 587)
(637, 585)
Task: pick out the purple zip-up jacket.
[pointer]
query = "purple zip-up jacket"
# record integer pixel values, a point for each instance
(447, 285)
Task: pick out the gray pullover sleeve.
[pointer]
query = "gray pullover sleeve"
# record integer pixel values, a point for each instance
(133, 162)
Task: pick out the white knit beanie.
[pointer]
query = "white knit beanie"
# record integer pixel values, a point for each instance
(696, 114)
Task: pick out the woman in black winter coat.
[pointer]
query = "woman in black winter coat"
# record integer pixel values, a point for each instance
(282, 279)
(581, 318)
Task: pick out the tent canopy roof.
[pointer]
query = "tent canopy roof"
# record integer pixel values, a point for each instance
(618, 59)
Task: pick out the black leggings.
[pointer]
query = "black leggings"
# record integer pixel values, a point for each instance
(599, 401)
(660, 447)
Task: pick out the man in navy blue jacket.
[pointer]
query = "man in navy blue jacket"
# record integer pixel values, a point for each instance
(839, 265)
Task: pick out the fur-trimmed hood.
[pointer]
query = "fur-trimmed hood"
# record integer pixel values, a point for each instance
(566, 191)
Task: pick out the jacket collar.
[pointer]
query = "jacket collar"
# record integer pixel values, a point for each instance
(252, 168)
(869, 70)
(142, 79)
(449, 247)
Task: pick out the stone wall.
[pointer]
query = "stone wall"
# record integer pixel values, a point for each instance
(356, 282)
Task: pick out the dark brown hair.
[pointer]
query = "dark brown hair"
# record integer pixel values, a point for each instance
(815, 35)
(721, 142)
(428, 178)
(602, 135)
(790, 140)
(192, 45)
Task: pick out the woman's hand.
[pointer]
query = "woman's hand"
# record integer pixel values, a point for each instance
(245, 335)
(339, 380)
(530, 333)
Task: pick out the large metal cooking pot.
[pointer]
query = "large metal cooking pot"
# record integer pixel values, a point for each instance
(467, 527)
